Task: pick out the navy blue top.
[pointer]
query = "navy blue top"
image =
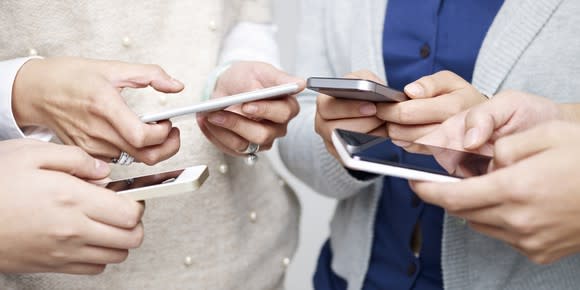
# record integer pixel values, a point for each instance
(420, 37)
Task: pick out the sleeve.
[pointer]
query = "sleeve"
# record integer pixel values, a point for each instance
(302, 150)
(9, 129)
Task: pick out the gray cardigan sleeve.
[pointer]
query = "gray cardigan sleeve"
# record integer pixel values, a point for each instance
(302, 150)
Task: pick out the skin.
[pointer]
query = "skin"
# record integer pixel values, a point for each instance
(531, 199)
(89, 112)
(259, 122)
(430, 105)
(59, 222)
(351, 115)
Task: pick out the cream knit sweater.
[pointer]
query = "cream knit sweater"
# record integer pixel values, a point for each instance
(240, 229)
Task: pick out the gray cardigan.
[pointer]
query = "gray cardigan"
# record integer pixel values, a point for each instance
(532, 46)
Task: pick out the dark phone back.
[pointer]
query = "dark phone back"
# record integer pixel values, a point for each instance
(355, 89)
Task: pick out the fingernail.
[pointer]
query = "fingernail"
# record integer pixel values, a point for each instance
(176, 82)
(217, 119)
(250, 109)
(471, 138)
(368, 109)
(415, 90)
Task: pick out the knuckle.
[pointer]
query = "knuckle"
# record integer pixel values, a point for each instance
(451, 203)
(137, 137)
(65, 233)
(264, 136)
(134, 214)
(519, 223)
(137, 237)
(150, 157)
(531, 245)
(96, 270)
(403, 113)
(120, 257)
(65, 199)
(540, 259)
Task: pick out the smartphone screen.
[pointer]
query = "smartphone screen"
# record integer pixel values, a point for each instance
(146, 180)
(379, 150)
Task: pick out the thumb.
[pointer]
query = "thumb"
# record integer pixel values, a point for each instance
(434, 85)
(124, 74)
(69, 159)
(270, 76)
(482, 121)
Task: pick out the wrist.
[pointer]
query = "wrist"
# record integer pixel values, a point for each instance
(25, 94)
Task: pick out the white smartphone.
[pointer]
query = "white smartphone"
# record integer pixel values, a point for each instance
(355, 89)
(161, 184)
(371, 154)
(224, 102)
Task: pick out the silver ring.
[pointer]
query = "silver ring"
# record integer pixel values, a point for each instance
(251, 149)
(124, 159)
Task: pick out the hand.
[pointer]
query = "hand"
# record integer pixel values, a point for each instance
(80, 100)
(509, 112)
(531, 201)
(434, 99)
(52, 220)
(259, 122)
(350, 115)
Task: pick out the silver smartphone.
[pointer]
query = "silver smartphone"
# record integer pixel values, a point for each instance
(374, 154)
(224, 102)
(160, 184)
(355, 89)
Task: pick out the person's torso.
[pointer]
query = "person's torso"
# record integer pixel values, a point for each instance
(241, 226)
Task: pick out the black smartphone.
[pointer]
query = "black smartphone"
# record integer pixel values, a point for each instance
(355, 89)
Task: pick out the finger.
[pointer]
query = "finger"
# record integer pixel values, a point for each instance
(511, 149)
(80, 269)
(154, 154)
(472, 193)
(269, 76)
(409, 133)
(279, 111)
(331, 108)
(100, 255)
(481, 122)
(434, 85)
(324, 128)
(255, 132)
(130, 127)
(228, 139)
(68, 159)
(105, 206)
(420, 111)
(102, 235)
(497, 233)
(124, 74)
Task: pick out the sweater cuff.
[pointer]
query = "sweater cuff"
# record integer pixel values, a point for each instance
(340, 182)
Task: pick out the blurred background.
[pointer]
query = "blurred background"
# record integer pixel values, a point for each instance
(316, 210)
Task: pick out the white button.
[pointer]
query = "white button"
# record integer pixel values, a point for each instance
(251, 159)
(32, 52)
(461, 221)
(281, 182)
(253, 216)
(286, 261)
(163, 100)
(223, 168)
(188, 261)
(126, 41)
(212, 25)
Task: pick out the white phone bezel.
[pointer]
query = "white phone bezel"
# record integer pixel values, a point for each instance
(188, 181)
(385, 169)
(223, 102)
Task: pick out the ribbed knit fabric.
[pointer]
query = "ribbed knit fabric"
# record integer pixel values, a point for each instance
(531, 46)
